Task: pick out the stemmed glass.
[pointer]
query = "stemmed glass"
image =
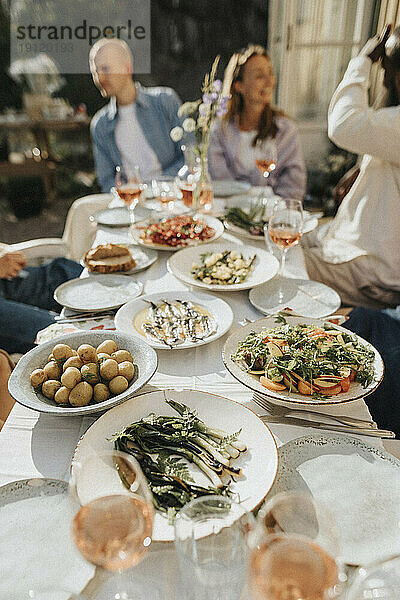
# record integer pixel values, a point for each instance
(129, 187)
(285, 226)
(265, 155)
(112, 527)
(295, 551)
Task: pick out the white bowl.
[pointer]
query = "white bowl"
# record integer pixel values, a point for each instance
(19, 386)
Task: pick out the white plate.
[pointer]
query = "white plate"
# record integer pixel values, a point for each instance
(305, 297)
(144, 258)
(265, 266)
(119, 216)
(228, 187)
(35, 521)
(102, 292)
(253, 381)
(19, 386)
(358, 483)
(259, 462)
(211, 221)
(218, 309)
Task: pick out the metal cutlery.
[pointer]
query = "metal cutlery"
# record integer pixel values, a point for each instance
(83, 317)
(283, 411)
(370, 432)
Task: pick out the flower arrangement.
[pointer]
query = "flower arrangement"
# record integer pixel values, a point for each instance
(199, 117)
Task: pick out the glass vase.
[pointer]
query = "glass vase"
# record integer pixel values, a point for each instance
(194, 180)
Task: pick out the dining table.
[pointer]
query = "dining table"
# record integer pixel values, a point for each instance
(34, 445)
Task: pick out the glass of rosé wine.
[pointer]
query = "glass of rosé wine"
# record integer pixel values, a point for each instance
(285, 226)
(294, 551)
(113, 522)
(265, 156)
(129, 186)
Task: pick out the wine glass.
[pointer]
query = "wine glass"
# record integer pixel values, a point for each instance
(112, 527)
(165, 191)
(129, 187)
(265, 156)
(295, 551)
(211, 542)
(284, 228)
(380, 580)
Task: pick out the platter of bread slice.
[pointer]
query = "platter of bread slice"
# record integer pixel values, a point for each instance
(118, 258)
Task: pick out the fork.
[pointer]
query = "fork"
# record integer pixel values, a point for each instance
(283, 411)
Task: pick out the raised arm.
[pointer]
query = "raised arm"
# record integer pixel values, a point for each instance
(352, 123)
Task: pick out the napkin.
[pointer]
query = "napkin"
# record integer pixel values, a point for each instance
(363, 496)
(37, 552)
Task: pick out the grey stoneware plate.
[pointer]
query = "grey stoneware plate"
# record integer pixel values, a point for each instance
(119, 216)
(19, 386)
(359, 485)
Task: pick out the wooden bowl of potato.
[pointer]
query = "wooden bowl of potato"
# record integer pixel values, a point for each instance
(82, 373)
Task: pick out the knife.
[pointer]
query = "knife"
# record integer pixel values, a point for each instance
(381, 433)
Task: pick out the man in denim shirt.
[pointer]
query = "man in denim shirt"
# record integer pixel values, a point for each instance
(134, 127)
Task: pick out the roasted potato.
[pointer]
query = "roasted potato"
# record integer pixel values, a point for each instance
(73, 361)
(126, 369)
(50, 387)
(90, 373)
(81, 394)
(122, 355)
(108, 346)
(87, 353)
(100, 392)
(52, 370)
(71, 377)
(118, 385)
(61, 396)
(38, 376)
(109, 369)
(61, 352)
(101, 357)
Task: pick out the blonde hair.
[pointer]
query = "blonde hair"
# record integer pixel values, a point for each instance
(234, 72)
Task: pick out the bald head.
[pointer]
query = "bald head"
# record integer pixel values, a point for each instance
(111, 65)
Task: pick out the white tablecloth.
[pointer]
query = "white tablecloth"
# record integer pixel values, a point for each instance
(39, 445)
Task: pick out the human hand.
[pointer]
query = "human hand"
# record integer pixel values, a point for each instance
(10, 264)
(375, 47)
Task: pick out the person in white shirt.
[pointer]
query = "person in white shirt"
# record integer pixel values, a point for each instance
(359, 254)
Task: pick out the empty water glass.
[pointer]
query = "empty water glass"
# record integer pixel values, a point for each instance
(211, 542)
(378, 581)
(165, 190)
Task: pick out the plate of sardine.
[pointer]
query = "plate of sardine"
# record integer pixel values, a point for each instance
(175, 320)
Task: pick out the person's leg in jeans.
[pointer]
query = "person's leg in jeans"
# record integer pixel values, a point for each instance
(383, 332)
(19, 324)
(36, 285)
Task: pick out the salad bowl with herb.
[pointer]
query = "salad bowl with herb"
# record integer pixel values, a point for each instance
(303, 360)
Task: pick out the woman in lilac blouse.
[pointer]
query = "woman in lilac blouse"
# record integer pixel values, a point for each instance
(251, 119)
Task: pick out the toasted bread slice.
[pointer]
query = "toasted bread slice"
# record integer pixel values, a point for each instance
(109, 258)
